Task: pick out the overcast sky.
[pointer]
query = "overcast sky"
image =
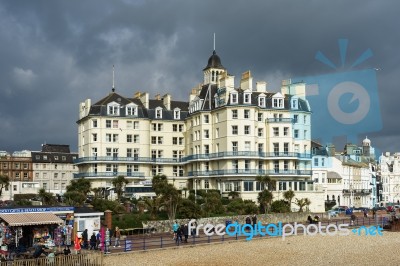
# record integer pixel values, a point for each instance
(56, 54)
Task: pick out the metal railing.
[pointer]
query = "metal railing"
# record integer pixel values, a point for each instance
(148, 240)
(205, 156)
(249, 172)
(109, 174)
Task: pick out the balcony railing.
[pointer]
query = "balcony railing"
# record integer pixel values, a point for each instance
(358, 191)
(128, 159)
(208, 156)
(109, 174)
(279, 120)
(279, 172)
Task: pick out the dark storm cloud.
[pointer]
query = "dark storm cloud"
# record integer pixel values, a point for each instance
(55, 54)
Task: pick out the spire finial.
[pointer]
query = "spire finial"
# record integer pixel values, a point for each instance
(113, 87)
(214, 41)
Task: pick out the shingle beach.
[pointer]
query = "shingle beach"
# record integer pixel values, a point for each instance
(295, 250)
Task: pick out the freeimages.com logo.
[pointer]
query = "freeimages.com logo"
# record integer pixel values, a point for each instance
(347, 102)
(282, 230)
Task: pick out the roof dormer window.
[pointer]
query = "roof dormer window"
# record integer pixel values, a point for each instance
(113, 108)
(177, 113)
(131, 110)
(261, 100)
(234, 98)
(247, 97)
(278, 101)
(294, 103)
(159, 112)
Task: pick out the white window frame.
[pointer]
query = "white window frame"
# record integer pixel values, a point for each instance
(247, 97)
(177, 113)
(234, 98)
(113, 108)
(158, 112)
(261, 101)
(131, 110)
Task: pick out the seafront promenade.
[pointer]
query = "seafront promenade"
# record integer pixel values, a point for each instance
(295, 250)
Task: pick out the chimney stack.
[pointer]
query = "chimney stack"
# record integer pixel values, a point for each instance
(167, 101)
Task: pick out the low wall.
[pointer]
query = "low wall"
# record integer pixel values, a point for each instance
(166, 225)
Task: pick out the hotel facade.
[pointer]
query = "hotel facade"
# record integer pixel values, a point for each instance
(225, 136)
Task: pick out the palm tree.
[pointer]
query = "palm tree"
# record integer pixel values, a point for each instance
(119, 183)
(168, 194)
(75, 198)
(46, 197)
(81, 185)
(307, 201)
(4, 183)
(97, 192)
(289, 195)
(153, 205)
(265, 199)
(268, 182)
(301, 203)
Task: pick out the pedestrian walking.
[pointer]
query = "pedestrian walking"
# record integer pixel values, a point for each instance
(93, 241)
(117, 235)
(107, 241)
(186, 232)
(175, 228)
(353, 219)
(254, 220)
(85, 238)
(194, 224)
(98, 240)
(179, 233)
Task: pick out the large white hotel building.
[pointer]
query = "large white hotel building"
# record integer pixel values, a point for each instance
(222, 138)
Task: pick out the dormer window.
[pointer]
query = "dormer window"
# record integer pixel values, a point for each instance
(261, 100)
(247, 97)
(177, 113)
(158, 112)
(278, 101)
(131, 110)
(216, 100)
(294, 103)
(234, 98)
(113, 108)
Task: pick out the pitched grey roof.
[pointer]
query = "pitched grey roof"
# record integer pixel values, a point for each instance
(100, 107)
(212, 89)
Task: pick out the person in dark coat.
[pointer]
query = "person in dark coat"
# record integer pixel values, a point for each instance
(310, 219)
(186, 232)
(93, 241)
(254, 220)
(67, 251)
(178, 235)
(248, 223)
(85, 238)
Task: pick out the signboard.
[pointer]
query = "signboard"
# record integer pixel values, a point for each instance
(128, 245)
(48, 209)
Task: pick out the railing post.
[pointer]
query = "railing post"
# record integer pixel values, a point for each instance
(161, 242)
(236, 236)
(144, 243)
(208, 239)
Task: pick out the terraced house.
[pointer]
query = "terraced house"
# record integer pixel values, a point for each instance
(222, 138)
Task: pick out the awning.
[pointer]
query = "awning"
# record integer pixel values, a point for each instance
(34, 218)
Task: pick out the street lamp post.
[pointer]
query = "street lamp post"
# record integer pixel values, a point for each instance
(195, 191)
